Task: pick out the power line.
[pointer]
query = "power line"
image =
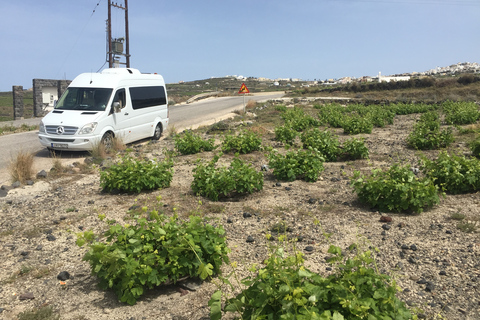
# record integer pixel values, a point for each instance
(79, 36)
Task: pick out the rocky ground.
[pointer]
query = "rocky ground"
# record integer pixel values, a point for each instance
(436, 264)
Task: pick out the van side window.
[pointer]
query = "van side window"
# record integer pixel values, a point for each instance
(144, 97)
(120, 98)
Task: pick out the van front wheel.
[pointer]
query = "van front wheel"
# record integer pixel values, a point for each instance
(107, 140)
(158, 132)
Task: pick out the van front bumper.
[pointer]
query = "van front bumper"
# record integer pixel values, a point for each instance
(73, 143)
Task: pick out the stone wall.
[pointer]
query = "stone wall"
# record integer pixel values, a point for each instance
(38, 84)
(18, 107)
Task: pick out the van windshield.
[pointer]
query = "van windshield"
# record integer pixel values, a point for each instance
(93, 99)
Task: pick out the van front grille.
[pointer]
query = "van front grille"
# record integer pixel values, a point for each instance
(62, 140)
(61, 130)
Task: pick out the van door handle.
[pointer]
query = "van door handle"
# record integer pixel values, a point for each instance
(126, 113)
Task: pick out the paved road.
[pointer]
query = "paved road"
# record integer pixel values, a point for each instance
(182, 116)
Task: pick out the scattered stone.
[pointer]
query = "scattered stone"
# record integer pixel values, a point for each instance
(312, 200)
(64, 275)
(278, 184)
(250, 239)
(26, 296)
(29, 182)
(90, 202)
(229, 220)
(16, 184)
(247, 215)
(264, 167)
(405, 247)
(309, 248)
(412, 260)
(51, 237)
(442, 273)
(429, 287)
(24, 253)
(386, 227)
(401, 225)
(134, 207)
(191, 284)
(422, 281)
(385, 219)
(448, 232)
(413, 247)
(288, 188)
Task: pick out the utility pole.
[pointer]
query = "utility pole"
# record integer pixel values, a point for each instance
(115, 46)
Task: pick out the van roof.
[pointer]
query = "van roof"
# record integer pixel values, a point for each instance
(114, 77)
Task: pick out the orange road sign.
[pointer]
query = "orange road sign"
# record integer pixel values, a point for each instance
(243, 89)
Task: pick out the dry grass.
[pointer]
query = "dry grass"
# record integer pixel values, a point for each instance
(251, 104)
(21, 167)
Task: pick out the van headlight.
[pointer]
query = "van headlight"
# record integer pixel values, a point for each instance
(88, 128)
(41, 127)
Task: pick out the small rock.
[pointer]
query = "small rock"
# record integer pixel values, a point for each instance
(386, 227)
(422, 281)
(401, 225)
(229, 220)
(288, 188)
(442, 273)
(430, 287)
(385, 219)
(264, 167)
(64, 275)
(42, 174)
(51, 237)
(412, 260)
(312, 201)
(26, 296)
(413, 247)
(16, 184)
(247, 215)
(90, 202)
(250, 239)
(405, 247)
(448, 232)
(309, 249)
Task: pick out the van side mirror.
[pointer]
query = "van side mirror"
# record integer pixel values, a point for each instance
(116, 107)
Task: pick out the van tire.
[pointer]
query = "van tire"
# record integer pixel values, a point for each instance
(107, 140)
(158, 132)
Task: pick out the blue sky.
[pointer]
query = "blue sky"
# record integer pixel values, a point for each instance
(193, 40)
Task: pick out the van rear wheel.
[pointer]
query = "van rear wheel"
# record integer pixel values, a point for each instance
(107, 141)
(158, 132)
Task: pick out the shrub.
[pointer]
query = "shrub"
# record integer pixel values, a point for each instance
(244, 142)
(324, 141)
(154, 251)
(286, 289)
(395, 190)
(460, 112)
(426, 134)
(298, 120)
(21, 168)
(475, 147)
(331, 114)
(303, 164)
(131, 175)
(191, 143)
(285, 134)
(354, 149)
(239, 178)
(356, 124)
(454, 174)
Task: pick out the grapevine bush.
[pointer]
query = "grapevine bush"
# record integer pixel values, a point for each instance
(426, 134)
(323, 140)
(191, 143)
(395, 190)
(354, 149)
(285, 134)
(153, 251)
(454, 174)
(132, 175)
(460, 112)
(213, 183)
(244, 142)
(302, 164)
(286, 289)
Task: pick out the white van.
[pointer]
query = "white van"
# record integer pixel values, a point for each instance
(118, 102)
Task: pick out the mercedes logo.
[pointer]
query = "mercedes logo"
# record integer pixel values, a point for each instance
(60, 130)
